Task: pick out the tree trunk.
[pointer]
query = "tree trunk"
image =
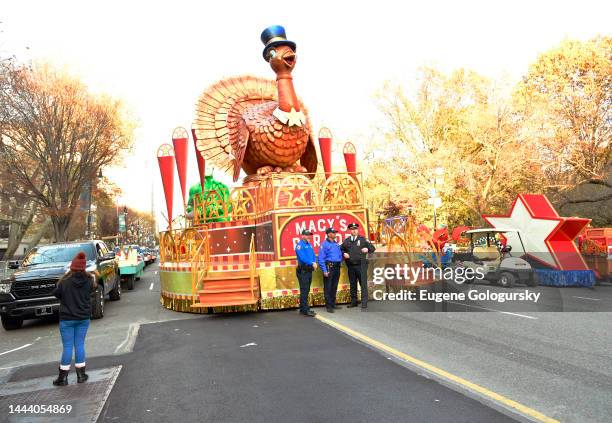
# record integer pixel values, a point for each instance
(16, 233)
(60, 227)
(39, 234)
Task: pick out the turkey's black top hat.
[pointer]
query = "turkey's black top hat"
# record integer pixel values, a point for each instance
(275, 36)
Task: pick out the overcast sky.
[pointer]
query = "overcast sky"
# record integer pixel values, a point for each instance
(158, 58)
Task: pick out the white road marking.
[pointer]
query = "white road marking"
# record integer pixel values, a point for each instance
(151, 287)
(15, 349)
(250, 344)
(130, 338)
(497, 311)
(587, 298)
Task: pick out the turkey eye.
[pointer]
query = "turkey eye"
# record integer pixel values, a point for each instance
(272, 54)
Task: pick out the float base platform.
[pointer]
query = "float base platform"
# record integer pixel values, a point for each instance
(278, 286)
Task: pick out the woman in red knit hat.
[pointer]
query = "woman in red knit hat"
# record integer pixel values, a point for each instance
(74, 292)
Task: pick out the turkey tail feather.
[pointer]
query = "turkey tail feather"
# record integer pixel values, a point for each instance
(218, 119)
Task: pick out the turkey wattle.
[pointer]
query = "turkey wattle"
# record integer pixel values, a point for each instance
(257, 124)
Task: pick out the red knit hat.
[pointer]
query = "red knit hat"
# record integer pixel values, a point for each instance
(79, 262)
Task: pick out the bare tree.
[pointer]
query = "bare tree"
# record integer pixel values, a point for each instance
(16, 208)
(54, 138)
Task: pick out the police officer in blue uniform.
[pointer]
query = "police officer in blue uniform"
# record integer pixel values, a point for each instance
(330, 259)
(355, 250)
(306, 264)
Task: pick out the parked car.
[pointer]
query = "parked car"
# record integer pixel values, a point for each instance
(27, 293)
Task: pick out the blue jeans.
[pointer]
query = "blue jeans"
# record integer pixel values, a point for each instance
(73, 337)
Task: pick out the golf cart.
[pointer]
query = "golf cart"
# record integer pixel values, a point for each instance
(488, 253)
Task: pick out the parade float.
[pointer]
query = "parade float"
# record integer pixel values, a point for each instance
(546, 239)
(233, 249)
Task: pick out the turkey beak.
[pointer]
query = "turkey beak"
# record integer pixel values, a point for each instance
(289, 59)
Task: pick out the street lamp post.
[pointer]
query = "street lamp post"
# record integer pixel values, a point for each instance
(89, 234)
(125, 213)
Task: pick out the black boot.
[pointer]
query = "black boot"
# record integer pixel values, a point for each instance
(352, 304)
(62, 379)
(81, 375)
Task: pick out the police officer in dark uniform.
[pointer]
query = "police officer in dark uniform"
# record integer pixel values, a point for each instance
(330, 260)
(356, 249)
(306, 264)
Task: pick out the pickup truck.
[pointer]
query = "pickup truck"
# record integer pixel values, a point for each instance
(27, 293)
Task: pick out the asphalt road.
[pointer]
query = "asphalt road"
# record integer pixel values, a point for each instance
(269, 367)
(39, 341)
(274, 366)
(281, 367)
(556, 363)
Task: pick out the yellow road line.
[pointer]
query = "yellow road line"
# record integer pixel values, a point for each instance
(444, 374)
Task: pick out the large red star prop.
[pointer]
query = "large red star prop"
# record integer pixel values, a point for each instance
(547, 237)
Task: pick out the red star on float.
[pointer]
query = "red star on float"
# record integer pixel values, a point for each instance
(547, 237)
(296, 194)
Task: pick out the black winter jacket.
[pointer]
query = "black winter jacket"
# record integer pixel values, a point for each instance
(356, 256)
(74, 292)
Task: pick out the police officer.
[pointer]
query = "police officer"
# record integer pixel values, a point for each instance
(355, 249)
(307, 262)
(330, 259)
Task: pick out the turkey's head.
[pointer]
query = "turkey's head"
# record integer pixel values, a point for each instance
(282, 60)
